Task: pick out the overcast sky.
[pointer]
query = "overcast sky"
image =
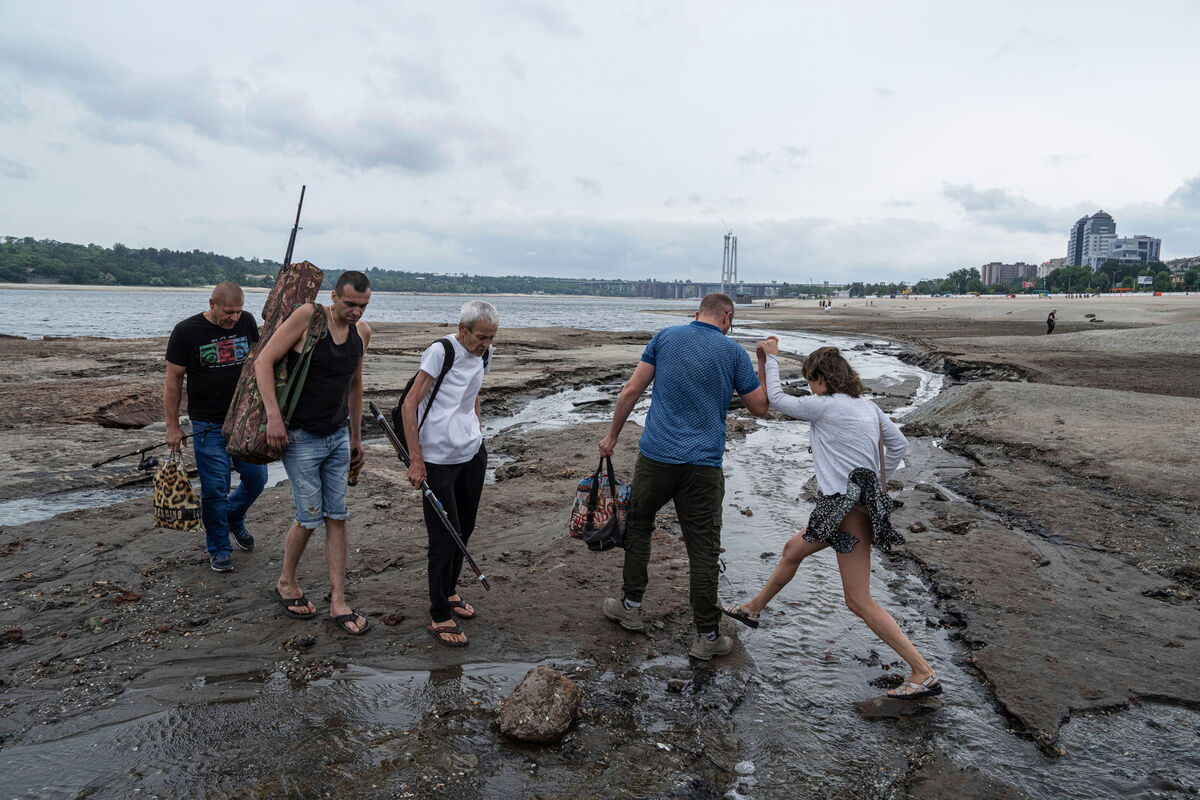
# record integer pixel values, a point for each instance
(840, 141)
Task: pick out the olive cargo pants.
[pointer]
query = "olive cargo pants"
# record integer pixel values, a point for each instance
(698, 493)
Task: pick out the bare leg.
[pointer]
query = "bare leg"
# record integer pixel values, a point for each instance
(795, 551)
(293, 548)
(335, 558)
(855, 567)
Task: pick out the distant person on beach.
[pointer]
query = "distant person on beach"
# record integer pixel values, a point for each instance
(696, 369)
(323, 439)
(1050, 322)
(209, 350)
(446, 450)
(854, 447)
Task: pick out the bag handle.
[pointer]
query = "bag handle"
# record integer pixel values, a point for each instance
(593, 494)
(289, 398)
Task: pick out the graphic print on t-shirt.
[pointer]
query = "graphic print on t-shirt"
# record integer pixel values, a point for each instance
(225, 352)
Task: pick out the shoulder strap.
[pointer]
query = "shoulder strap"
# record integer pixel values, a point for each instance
(486, 355)
(447, 365)
(290, 396)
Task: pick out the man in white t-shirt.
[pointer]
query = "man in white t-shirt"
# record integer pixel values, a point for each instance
(446, 449)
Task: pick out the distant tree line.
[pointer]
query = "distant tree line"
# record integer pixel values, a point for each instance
(29, 260)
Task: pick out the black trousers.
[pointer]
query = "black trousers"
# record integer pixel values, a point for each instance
(458, 487)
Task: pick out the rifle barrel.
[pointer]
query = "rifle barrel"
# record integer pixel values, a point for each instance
(287, 259)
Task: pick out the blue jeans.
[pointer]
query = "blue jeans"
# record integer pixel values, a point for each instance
(220, 510)
(317, 467)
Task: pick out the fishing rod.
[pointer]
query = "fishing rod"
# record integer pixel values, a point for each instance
(141, 451)
(402, 454)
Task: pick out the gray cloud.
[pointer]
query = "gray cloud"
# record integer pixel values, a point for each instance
(514, 65)
(131, 110)
(1187, 195)
(546, 15)
(787, 157)
(137, 135)
(883, 91)
(589, 186)
(14, 169)
(1063, 158)
(899, 203)
(421, 77)
(1002, 209)
(12, 108)
(972, 199)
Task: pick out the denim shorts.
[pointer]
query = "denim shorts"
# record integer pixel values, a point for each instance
(317, 467)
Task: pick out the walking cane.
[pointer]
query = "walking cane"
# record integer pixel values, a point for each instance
(402, 454)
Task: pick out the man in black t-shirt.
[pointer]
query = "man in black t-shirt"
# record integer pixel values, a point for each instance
(209, 350)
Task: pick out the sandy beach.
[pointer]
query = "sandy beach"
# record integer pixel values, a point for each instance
(1051, 501)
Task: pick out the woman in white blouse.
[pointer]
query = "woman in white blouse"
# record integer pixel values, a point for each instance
(855, 446)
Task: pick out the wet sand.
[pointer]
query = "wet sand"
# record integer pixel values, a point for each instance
(1060, 508)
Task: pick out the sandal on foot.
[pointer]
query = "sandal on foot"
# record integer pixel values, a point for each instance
(929, 687)
(346, 621)
(743, 616)
(288, 602)
(437, 631)
(462, 610)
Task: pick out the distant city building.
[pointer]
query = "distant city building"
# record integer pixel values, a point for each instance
(996, 272)
(1178, 266)
(1046, 267)
(1133, 250)
(1093, 241)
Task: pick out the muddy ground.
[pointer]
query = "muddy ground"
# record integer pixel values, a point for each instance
(1059, 536)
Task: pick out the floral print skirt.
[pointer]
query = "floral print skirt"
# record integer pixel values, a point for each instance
(863, 490)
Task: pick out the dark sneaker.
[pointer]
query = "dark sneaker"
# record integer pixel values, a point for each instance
(221, 563)
(629, 618)
(704, 649)
(244, 540)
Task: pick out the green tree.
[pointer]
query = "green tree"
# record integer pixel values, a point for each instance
(1162, 281)
(1191, 280)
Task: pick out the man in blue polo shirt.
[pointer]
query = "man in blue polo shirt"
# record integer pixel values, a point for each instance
(695, 369)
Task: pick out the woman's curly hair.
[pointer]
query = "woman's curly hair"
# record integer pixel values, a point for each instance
(828, 363)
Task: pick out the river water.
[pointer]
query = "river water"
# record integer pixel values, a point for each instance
(36, 313)
(804, 671)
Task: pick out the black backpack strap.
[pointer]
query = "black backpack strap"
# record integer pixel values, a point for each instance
(447, 365)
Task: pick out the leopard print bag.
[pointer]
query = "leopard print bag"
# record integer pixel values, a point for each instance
(175, 504)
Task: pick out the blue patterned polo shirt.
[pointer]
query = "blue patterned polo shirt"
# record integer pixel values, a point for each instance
(697, 369)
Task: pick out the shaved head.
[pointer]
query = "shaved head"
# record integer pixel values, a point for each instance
(227, 292)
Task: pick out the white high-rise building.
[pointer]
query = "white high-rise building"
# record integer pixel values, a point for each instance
(1098, 233)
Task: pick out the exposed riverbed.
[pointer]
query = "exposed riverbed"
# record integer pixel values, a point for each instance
(235, 699)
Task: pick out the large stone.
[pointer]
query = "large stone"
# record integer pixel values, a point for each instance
(891, 708)
(541, 708)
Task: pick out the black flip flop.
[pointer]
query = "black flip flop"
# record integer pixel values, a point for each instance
(463, 605)
(436, 632)
(343, 621)
(297, 601)
(744, 617)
